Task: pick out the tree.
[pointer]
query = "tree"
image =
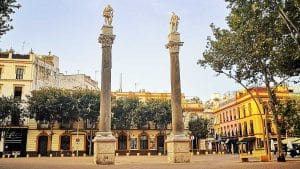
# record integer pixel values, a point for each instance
(50, 105)
(142, 116)
(123, 110)
(7, 7)
(289, 116)
(159, 112)
(88, 102)
(256, 48)
(199, 127)
(11, 112)
(10, 109)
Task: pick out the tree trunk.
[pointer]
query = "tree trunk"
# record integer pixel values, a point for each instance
(272, 104)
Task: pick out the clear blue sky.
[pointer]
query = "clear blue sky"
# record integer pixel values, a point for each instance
(70, 29)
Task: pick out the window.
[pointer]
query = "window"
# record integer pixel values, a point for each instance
(152, 143)
(122, 141)
(245, 129)
(133, 143)
(18, 93)
(65, 142)
(227, 117)
(144, 142)
(234, 114)
(238, 113)
(249, 109)
(19, 73)
(240, 129)
(230, 114)
(259, 143)
(244, 110)
(251, 127)
(265, 106)
(269, 125)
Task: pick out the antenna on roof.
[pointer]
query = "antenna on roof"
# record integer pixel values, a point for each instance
(120, 82)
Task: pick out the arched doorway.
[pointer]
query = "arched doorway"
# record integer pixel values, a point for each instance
(160, 144)
(122, 141)
(43, 145)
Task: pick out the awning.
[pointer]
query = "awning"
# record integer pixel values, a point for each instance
(292, 140)
(246, 140)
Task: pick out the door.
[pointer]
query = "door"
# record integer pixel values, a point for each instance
(122, 142)
(161, 144)
(43, 144)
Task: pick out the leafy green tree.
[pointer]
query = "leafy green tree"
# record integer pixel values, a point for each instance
(289, 113)
(142, 116)
(52, 105)
(7, 7)
(256, 48)
(11, 109)
(199, 127)
(88, 104)
(123, 110)
(159, 112)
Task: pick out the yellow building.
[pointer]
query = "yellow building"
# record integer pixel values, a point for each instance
(20, 74)
(66, 140)
(240, 118)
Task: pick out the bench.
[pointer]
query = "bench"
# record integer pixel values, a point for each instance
(256, 153)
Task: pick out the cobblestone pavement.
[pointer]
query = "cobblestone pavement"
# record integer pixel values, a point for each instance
(145, 162)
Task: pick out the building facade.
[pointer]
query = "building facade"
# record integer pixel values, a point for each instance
(78, 136)
(19, 75)
(240, 118)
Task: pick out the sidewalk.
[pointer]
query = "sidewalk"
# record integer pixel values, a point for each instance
(145, 162)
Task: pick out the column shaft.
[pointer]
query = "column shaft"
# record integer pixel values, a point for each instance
(105, 99)
(177, 121)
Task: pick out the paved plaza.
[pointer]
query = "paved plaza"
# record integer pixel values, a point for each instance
(145, 162)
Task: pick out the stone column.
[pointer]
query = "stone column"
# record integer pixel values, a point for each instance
(105, 142)
(178, 143)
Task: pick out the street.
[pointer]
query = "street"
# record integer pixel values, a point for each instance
(145, 162)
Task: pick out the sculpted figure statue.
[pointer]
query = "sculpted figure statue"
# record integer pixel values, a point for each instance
(108, 15)
(174, 22)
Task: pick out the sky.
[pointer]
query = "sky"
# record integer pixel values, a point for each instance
(70, 29)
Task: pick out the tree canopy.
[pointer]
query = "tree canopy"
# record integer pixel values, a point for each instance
(51, 105)
(257, 48)
(129, 113)
(199, 127)
(7, 7)
(88, 105)
(123, 110)
(10, 109)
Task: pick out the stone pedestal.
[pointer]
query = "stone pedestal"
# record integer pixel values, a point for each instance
(104, 148)
(178, 147)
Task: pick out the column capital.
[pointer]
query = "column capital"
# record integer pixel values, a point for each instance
(174, 46)
(106, 39)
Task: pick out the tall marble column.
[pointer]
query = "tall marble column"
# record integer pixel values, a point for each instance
(178, 143)
(104, 142)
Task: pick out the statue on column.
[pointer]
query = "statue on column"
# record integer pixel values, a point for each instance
(108, 15)
(174, 23)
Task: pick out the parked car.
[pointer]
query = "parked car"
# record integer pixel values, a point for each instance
(295, 150)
